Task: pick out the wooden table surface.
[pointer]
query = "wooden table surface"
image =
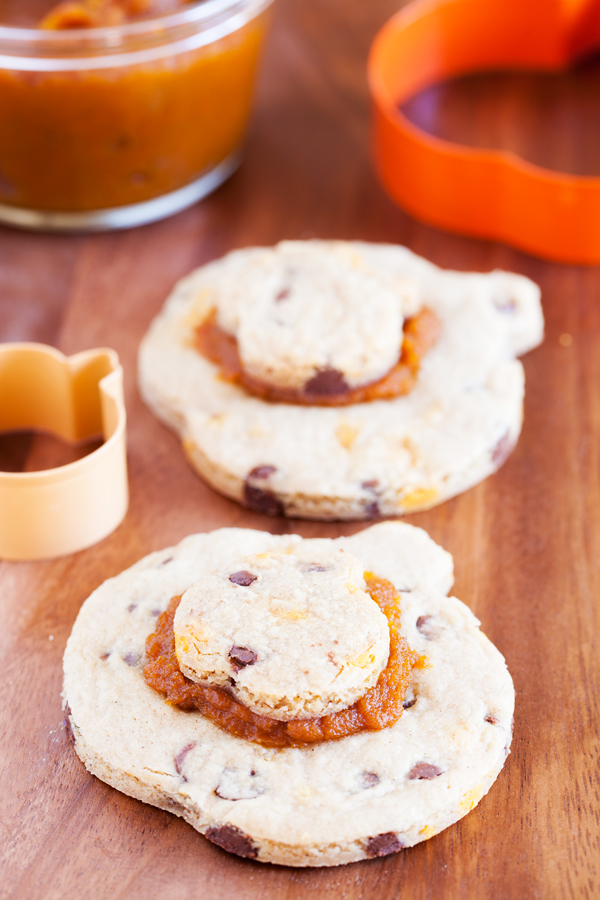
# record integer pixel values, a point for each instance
(526, 542)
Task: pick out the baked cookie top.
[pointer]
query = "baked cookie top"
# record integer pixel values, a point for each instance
(292, 634)
(299, 310)
(383, 457)
(335, 802)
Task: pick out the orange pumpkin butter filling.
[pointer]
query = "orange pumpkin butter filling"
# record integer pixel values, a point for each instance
(420, 334)
(380, 706)
(108, 136)
(104, 13)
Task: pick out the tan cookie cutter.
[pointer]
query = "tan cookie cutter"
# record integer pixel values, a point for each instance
(78, 398)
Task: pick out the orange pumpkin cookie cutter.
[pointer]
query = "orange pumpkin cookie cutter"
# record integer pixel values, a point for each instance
(492, 194)
(58, 511)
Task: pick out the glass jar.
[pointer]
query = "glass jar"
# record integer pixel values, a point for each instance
(113, 127)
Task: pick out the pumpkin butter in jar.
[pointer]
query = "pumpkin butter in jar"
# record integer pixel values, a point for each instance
(119, 112)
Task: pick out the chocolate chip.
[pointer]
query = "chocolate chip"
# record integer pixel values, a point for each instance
(370, 485)
(383, 844)
(406, 704)
(67, 724)
(325, 383)
(262, 501)
(424, 771)
(132, 659)
(492, 719)
(233, 840)
(316, 567)
(167, 560)
(243, 578)
(428, 627)
(370, 779)
(372, 510)
(155, 612)
(181, 756)
(502, 450)
(131, 607)
(241, 657)
(261, 471)
(283, 294)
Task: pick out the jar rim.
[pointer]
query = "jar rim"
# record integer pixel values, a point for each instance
(36, 49)
(191, 13)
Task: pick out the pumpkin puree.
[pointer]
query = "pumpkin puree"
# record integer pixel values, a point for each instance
(92, 139)
(380, 707)
(420, 334)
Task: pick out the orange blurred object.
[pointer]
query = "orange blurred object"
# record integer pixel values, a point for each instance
(113, 127)
(492, 194)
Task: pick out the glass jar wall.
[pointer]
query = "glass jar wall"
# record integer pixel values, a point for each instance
(112, 127)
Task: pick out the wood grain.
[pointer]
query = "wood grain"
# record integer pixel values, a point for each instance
(526, 542)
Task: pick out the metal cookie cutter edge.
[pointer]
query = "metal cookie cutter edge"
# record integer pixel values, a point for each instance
(59, 511)
(485, 193)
